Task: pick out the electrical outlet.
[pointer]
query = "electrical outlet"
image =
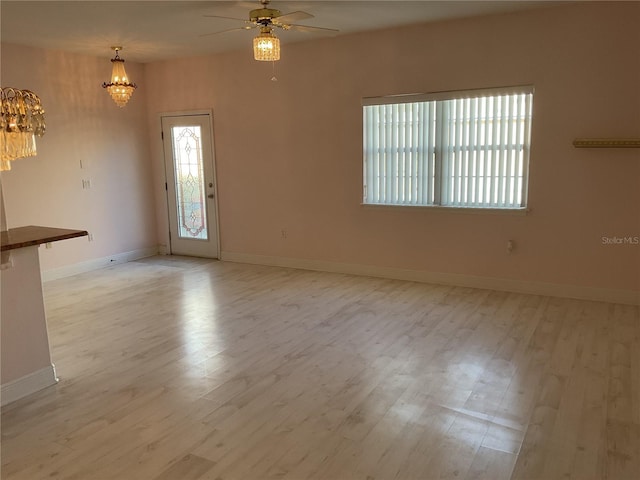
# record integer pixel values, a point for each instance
(283, 234)
(91, 237)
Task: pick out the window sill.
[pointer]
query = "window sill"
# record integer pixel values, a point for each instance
(456, 210)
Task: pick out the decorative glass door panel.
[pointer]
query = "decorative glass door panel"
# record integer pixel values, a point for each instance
(190, 185)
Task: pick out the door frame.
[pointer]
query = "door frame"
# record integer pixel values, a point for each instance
(188, 113)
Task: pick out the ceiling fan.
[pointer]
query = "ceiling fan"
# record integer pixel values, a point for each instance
(266, 46)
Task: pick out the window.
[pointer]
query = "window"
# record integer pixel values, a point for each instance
(454, 149)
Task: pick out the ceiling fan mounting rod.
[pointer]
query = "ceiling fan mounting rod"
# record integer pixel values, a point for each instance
(264, 15)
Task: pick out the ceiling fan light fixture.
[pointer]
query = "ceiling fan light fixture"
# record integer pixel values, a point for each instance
(119, 87)
(266, 46)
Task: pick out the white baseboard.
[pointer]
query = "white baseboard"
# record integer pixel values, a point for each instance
(31, 383)
(629, 297)
(97, 263)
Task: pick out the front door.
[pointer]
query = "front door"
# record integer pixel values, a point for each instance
(191, 193)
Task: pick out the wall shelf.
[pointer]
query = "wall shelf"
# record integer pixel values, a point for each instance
(606, 143)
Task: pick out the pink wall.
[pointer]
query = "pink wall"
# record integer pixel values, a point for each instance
(83, 124)
(289, 155)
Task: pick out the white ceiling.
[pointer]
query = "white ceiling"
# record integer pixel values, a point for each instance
(157, 30)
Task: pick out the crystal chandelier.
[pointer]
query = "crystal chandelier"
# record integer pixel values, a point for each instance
(21, 120)
(266, 46)
(119, 88)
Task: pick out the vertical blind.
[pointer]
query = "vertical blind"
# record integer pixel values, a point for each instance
(470, 151)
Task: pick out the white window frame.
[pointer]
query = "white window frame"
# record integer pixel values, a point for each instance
(430, 170)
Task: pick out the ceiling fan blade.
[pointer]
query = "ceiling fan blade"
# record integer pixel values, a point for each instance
(229, 18)
(292, 17)
(307, 28)
(226, 31)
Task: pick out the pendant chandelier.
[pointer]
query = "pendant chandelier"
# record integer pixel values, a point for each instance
(266, 46)
(21, 120)
(119, 87)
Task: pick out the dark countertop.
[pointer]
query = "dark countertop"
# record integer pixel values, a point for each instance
(35, 235)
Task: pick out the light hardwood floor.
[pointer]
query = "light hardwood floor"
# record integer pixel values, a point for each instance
(183, 369)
